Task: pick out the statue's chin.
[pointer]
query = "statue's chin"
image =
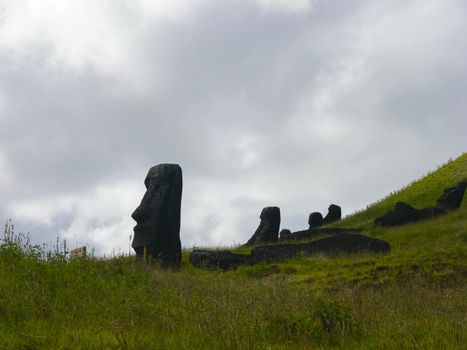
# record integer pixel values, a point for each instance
(141, 226)
(142, 236)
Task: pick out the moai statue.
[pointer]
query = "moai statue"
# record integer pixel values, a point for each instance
(268, 229)
(157, 232)
(452, 197)
(401, 214)
(334, 214)
(315, 220)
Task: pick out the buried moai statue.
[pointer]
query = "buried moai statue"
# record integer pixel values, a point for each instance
(315, 219)
(268, 229)
(452, 197)
(157, 232)
(334, 214)
(403, 213)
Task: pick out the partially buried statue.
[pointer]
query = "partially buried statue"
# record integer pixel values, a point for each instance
(158, 216)
(268, 229)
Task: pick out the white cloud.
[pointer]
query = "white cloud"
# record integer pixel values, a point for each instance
(42, 211)
(101, 217)
(2, 103)
(6, 174)
(296, 104)
(285, 5)
(76, 34)
(169, 10)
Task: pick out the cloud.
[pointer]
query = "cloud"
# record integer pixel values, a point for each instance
(284, 5)
(5, 174)
(296, 104)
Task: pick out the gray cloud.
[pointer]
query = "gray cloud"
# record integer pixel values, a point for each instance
(260, 105)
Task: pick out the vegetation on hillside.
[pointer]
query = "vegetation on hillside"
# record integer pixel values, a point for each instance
(413, 297)
(420, 193)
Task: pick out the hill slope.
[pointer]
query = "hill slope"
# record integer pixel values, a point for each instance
(420, 193)
(435, 248)
(413, 297)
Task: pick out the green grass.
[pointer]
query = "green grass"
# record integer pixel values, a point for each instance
(412, 298)
(420, 193)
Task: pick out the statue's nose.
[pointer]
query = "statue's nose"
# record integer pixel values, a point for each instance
(140, 214)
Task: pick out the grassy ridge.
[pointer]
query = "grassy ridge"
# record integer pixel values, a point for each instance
(411, 298)
(420, 193)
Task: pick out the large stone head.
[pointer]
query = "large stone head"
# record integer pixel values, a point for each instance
(271, 216)
(158, 216)
(268, 229)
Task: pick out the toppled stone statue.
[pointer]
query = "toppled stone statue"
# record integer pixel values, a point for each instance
(338, 244)
(403, 213)
(334, 214)
(268, 229)
(315, 220)
(314, 232)
(452, 197)
(157, 233)
(430, 212)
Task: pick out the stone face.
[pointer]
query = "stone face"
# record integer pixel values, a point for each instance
(268, 229)
(315, 220)
(452, 197)
(334, 214)
(158, 216)
(218, 259)
(400, 215)
(284, 234)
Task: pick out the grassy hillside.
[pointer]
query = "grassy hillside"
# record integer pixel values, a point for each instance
(420, 193)
(412, 298)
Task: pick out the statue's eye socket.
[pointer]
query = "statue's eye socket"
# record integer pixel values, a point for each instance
(147, 181)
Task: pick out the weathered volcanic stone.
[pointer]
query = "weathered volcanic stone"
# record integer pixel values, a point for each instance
(158, 216)
(430, 213)
(268, 229)
(334, 214)
(324, 231)
(338, 244)
(400, 215)
(452, 197)
(349, 243)
(315, 220)
(403, 213)
(284, 234)
(218, 259)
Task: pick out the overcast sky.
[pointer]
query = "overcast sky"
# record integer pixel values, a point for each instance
(297, 104)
